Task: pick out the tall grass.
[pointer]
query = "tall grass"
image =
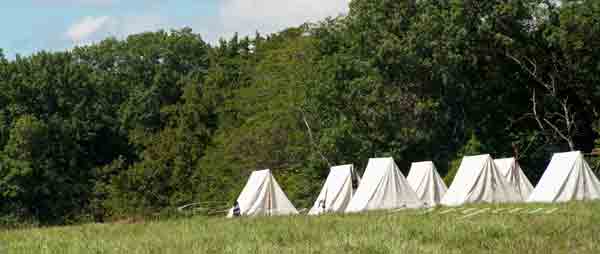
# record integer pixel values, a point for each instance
(573, 228)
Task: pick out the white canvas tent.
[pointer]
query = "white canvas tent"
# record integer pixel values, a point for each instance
(383, 187)
(511, 171)
(568, 177)
(336, 192)
(262, 196)
(478, 180)
(426, 182)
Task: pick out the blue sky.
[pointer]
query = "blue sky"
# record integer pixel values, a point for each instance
(32, 25)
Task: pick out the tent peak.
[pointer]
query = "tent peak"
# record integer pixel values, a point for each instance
(507, 158)
(382, 158)
(568, 153)
(382, 161)
(423, 163)
(478, 156)
(342, 166)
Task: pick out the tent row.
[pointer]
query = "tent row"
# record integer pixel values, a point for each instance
(479, 179)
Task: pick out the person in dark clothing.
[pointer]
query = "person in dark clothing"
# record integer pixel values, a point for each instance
(322, 205)
(354, 182)
(236, 209)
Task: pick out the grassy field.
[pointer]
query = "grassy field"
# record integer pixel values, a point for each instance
(564, 228)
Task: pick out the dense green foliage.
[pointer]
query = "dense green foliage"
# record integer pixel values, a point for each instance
(572, 228)
(140, 126)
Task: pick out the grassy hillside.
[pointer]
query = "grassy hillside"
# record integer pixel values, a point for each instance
(570, 228)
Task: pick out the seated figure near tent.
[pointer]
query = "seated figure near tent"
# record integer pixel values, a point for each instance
(322, 204)
(262, 196)
(236, 209)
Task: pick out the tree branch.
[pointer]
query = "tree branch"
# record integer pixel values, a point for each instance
(557, 130)
(531, 72)
(568, 120)
(312, 141)
(535, 114)
(551, 87)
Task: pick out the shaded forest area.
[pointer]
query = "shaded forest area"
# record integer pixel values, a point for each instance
(139, 126)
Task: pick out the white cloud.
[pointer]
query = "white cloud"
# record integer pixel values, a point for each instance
(93, 29)
(77, 2)
(266, 16)
(242, 16)
(86, 28)
(142, 23)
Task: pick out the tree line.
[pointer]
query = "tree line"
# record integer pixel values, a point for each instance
(139, 126)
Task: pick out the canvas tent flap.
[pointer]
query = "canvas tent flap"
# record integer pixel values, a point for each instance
(478, 180)
(511, 171)
(262, 196)
(426, 182)
(567, 177)
(383, 187)
(336, 192)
